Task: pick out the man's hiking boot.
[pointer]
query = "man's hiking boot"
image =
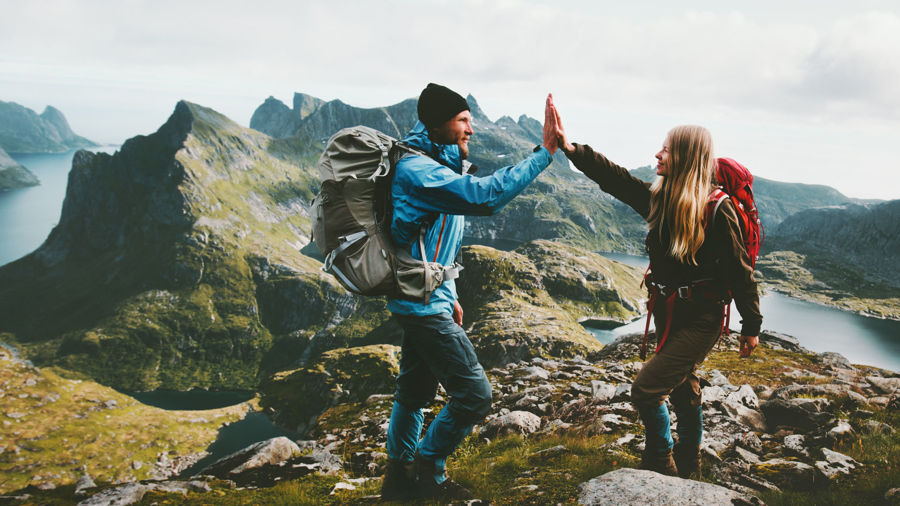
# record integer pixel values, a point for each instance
(399, 482)
(447, 490)
(687, 460)
(662, 463)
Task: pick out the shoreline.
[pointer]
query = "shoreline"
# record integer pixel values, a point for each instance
(824, 301)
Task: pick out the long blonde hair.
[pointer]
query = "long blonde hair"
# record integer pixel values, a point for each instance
(678, 199)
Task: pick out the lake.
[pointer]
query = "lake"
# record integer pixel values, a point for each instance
(863, 340)
(254, 427)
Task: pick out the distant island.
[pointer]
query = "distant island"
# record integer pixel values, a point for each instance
(14, 176)
(24, 131)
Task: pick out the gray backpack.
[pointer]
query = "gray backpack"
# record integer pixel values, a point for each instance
(352, 219)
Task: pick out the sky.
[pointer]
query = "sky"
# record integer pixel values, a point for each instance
(797, 90)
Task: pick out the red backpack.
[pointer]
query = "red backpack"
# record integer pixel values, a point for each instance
(736, 181)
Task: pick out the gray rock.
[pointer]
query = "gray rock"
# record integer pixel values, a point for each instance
(535, 372)
(747, 455)
(269, 452)
(787, 474)
(634, 486)
(750, 441)
(717, 379)
(744, 395)
(747, 416)
(713, 394)
(801, 413)
(84, 483)
(548, 452)
(131, 493)
(835, 359)
(876, 427)
(884, 385)
(602, 391)
(893, 403)
(623, 392)
(843, 431)
(892, 496)
(515, 422)
(783, 341)
(794, 444)
(835, 464)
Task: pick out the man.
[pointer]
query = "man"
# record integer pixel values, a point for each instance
(434, 192)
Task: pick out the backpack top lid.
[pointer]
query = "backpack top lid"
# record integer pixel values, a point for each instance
(357, 152)
(736, 180)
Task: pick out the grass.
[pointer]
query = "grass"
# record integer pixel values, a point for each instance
(56, 429)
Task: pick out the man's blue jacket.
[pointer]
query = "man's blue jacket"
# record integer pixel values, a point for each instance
(424, 190)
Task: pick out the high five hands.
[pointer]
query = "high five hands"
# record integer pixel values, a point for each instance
(550, 135)
(554, 122)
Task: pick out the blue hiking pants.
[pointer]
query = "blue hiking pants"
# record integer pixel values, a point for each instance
(435, 350)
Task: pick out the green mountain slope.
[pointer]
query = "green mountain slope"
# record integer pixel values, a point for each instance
(173, 258)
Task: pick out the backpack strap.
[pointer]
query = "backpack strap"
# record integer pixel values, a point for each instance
(716, 197)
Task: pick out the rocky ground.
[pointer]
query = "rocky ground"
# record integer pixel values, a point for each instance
(786, 426)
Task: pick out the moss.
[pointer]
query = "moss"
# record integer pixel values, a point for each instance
(69, 424)
(299, 396)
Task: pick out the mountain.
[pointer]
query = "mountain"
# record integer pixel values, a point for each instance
(24, 131)
(175, 260)
(175, 264)
(13, 175)
(560, 205)
(845, 255)
(777, 200)
(278, 120)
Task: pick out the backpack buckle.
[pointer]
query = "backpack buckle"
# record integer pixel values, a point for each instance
(684, 292)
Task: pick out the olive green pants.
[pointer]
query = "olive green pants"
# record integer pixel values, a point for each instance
(671, 372)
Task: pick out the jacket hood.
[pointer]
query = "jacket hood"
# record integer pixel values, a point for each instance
(447, 154)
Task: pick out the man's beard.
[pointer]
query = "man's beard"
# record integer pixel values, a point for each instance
(463, 150)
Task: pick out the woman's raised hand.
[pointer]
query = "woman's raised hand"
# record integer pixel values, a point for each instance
(563, 142)
(550, 137)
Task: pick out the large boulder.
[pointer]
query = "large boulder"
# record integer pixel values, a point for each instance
(633, 486)
(515, 422)
(802, 413)
(271, 452)
(787, 474)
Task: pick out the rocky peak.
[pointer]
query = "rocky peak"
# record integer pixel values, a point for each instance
(477, 113)
(24, 131)
(304, 104)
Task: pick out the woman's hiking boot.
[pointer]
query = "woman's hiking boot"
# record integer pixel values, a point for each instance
(427, 475)
(661, 463)
(687, 460)
(399, 482)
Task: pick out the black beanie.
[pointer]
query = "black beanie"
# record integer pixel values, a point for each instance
(438, 104)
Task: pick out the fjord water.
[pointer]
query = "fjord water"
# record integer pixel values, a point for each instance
(863, 340)
(27, 215)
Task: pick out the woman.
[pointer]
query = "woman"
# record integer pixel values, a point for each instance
(710, 264)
